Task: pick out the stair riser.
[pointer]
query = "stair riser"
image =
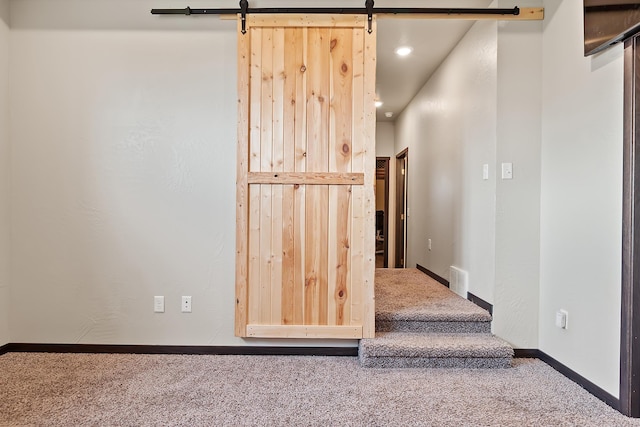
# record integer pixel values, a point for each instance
(435, 362)
(433, 327)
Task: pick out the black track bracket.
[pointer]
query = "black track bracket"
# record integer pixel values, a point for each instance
(244, 7)
(368, 4)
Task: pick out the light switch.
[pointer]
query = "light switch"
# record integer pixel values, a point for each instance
(485, 171)
(507, 171)
(562, 319)
(158, 304)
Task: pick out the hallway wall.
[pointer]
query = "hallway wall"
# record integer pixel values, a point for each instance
(450, 130)
(5, 153)
(581, 203)
(519, 103)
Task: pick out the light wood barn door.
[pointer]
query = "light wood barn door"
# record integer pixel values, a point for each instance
(305, 186)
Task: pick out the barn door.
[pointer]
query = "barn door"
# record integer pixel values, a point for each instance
(305, 185)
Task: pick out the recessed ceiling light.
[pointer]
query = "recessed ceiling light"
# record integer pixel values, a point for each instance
(404, 50)
(378, 104)
(388, 114)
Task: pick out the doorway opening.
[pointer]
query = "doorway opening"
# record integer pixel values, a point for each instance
(382, 212)
(402, 161)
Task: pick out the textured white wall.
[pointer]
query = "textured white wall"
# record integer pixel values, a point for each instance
(517, 277)
(385, 143)
(580, 245)
(123, 185)
(385, 139)
(450, 130)
(4, 173)
(385, 147)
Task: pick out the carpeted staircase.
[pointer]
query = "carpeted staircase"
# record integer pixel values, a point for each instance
(422, 324)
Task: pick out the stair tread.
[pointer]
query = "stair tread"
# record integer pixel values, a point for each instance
(410, 295)
(406, 344)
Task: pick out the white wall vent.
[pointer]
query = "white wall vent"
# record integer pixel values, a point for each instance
(458, 281)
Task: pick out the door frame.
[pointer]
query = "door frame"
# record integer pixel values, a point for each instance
(402, 159)
(629, 397)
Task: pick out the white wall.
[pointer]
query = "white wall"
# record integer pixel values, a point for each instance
(450, 130)
(4, 173)
(580, 245)
(517, 219)
(385, 139)
(385, 146)
(123, 174)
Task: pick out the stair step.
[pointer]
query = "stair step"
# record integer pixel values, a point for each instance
(409, 296)
(435, 350)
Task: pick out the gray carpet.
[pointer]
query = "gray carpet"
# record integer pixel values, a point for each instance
(409, 350)
(170, 390)
(410, 301)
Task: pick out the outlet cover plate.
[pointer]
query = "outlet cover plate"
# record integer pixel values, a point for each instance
(186, 304)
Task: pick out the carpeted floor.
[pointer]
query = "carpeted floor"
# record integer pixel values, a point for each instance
(170, 390)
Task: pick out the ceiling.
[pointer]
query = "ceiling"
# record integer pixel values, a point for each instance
(398, 78)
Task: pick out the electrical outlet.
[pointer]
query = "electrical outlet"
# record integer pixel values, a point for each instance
(186, 304)
(158, 304)
(507, 171)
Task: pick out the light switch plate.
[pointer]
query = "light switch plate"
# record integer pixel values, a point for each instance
(562, 319)
(485, 172)
(158, 304)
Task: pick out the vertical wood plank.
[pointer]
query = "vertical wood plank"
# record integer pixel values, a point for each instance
(368, 326)
(300, 160)
(357, 165)
(266, 165)
(288, 257)
(311, 315)
(317, 161)
(277, 223)
(254, 254)
(340, 161)
(323, 165)
(254, 143)
(255, 97)
(242, 196)
(324, 243)
(291, 44)
(332, 254)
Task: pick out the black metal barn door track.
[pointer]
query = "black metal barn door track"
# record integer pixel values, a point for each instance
(368, 10)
